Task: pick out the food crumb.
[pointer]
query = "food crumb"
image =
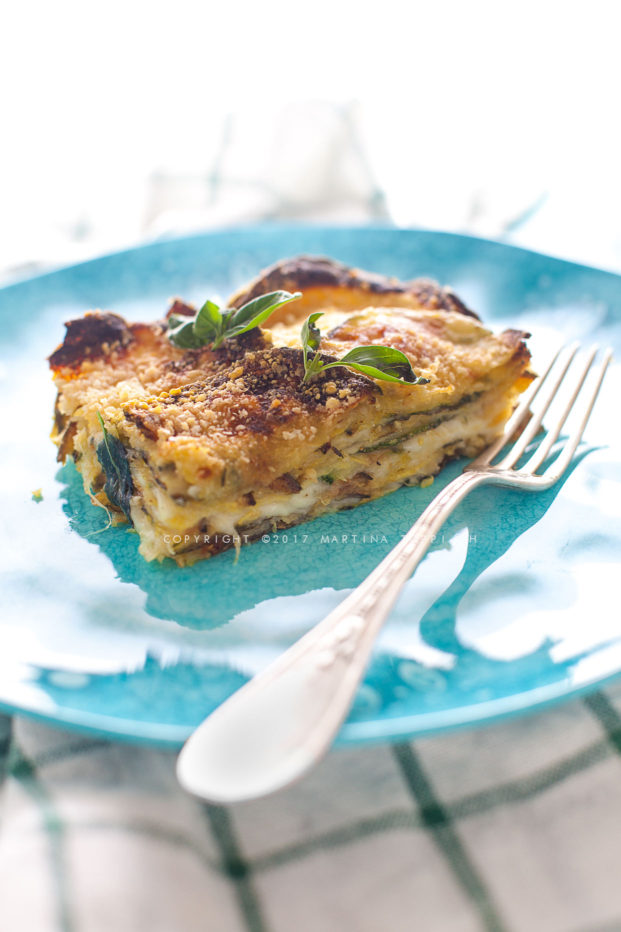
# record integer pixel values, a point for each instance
(37, 496)
(426, 482)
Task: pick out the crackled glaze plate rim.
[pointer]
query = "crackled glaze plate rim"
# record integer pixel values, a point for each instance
(371, 730)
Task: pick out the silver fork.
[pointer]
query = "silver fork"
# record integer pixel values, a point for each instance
(283, 721)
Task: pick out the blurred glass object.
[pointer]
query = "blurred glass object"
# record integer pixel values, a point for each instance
(139, 121)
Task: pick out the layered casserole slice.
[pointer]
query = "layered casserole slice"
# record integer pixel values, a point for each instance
(203, 448)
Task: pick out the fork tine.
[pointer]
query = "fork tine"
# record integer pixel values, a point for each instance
(534, 424)
(516, 418)
(556, 470)
(543, 450)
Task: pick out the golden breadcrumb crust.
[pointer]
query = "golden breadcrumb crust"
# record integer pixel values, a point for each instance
(220, 424)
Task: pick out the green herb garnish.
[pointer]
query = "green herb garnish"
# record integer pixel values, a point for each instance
(376, 362)
(212, 324)
(311, 338)
(112, 455)
(396, 441)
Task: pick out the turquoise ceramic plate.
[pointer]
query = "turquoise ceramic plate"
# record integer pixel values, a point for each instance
(514, 606)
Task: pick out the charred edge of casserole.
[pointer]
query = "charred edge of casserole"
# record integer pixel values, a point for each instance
(272, 376)
(521, 353)
(307, 272)
(90, 337)
(180, 309)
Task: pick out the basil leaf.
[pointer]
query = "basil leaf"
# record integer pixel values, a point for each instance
(311, 336)
(181, 333)
(211, 325)
(257, 311)
(175, 321)
(112, 456)
(313, 367)
(208, 322)
(380, 362)
(376, 362)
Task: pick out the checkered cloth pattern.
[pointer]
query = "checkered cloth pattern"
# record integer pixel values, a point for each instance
(514, 826)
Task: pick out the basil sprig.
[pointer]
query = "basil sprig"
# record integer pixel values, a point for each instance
(311, 338)
(376, 362)
(212, 324)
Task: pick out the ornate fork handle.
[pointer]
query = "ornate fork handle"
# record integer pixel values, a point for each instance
(284, 719)
(281, 722)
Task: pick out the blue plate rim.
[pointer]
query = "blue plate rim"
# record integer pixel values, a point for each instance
(485, 712)
(280, 228)
(488, 712)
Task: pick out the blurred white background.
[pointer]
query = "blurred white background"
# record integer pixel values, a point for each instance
(126, 121)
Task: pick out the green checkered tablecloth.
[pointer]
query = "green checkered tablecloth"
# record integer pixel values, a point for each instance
(514, 826)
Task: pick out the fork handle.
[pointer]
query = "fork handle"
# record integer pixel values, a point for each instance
(272, 730)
